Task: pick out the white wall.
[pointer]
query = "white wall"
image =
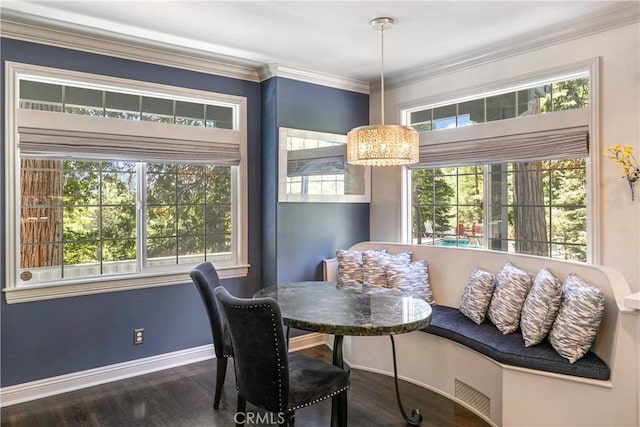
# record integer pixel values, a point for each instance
(618, 51)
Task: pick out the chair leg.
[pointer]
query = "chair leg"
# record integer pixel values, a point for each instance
(221, 372)
(343, 409)
(241, 412)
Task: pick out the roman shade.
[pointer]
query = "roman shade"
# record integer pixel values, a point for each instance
(559, 135)
(55, 134)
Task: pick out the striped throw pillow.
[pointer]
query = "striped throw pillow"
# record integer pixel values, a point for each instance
(477, 295)
(350, 268)
(411, 280)
(374, 267)
(578, 320)
(541, 307)
(512, 287)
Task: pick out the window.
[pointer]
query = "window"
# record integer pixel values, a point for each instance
(119, 184)
(510, 185)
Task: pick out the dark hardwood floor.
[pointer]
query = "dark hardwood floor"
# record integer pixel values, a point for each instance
(183, 396)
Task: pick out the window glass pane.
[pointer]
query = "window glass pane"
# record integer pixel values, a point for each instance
(157, 110)
(41, 183)
(161, 188)
(420, 116)
(40, 219)
(219, 117)
(40, 262)
(122, 106)
(444, 117)
(191, 249)
(191, 181)
(568, 95)
(38, 91)
(79, 100)
(118, 222)
(81, 183)
(190, 114)
(81, 258)
(219, 247)
(161, 221)
(198, 214)
(40, 96)
(118, 256)
(191, 220)
(471, 112)
(421, 120)
(81, 223)
(219, 185)
(501, 106)
(118, 188)
(530, 101)
(161, 251)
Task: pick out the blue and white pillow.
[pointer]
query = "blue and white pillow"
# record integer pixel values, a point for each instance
(512, 287)
(540, 308)
(350, 268)
(578, 320)
(477, 295)
(411, 280)
(374, 267)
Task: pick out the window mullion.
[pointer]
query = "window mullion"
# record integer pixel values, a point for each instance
(141, 216)
(486, 201)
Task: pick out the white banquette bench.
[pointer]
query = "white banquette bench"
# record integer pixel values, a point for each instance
(501, 393)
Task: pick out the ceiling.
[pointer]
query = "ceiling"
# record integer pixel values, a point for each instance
(332, 37)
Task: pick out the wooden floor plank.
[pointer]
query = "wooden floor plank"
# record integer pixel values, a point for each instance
(183, 397)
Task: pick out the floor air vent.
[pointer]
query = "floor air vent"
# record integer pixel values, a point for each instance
(473, 397)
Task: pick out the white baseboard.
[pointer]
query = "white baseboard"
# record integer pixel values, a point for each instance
(38, 389)
(306, 341)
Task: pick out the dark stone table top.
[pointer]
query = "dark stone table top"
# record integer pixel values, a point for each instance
(321, 307)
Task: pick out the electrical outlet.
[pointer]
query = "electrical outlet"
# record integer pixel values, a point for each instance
(138, 336)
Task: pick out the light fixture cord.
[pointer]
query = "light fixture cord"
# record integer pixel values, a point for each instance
(382, 73)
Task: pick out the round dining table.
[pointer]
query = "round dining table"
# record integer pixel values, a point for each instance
(325, 308)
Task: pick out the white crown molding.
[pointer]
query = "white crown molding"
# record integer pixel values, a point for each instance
(105, 43)
(38, 389)
(620, 15)
(133, 49)
(315, 77)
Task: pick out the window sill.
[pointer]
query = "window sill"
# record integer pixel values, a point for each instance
(104, 285)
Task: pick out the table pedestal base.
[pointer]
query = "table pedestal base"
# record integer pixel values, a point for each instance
(416, 417)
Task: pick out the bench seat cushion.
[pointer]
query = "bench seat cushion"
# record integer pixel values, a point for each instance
(509, 349)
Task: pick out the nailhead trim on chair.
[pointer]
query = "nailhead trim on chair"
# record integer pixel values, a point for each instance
(320, 399)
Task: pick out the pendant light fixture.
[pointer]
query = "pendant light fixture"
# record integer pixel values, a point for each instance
(382, 145)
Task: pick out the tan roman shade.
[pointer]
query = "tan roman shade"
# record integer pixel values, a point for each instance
(49, 134)
(561, 135)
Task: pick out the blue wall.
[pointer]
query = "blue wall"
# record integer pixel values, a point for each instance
(54, 337)
(286, 241)
(297, 236)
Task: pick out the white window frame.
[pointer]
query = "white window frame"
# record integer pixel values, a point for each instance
(592, 67)
(178, 274)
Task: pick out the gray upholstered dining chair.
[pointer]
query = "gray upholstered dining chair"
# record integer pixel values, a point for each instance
(266, 374)
(206, 279)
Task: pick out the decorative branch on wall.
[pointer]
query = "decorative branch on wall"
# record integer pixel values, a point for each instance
(624, 157)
